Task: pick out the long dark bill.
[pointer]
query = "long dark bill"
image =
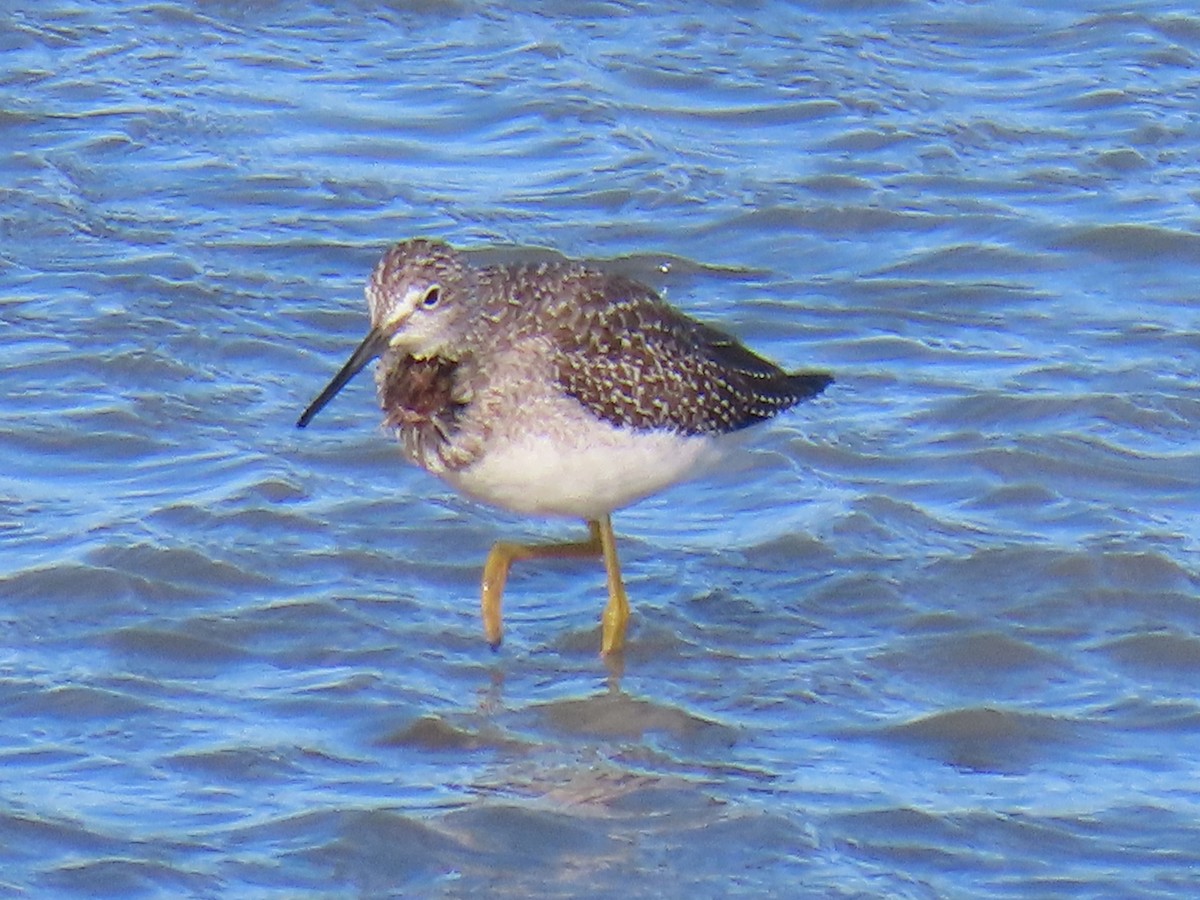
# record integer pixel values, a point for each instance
(372, 345)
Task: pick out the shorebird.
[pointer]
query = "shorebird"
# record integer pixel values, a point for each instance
(553, 389)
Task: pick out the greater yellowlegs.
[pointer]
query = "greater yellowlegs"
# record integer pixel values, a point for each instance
(553, 389)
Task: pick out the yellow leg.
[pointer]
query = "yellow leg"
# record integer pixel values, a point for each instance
(505, 553)
(616, 612)
(601, 543)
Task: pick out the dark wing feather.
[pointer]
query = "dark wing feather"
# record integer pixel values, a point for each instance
(637, 362)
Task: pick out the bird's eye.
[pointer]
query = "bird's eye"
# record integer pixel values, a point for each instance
(432, 297)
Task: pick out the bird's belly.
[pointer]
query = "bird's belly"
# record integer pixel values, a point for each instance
(586, 473)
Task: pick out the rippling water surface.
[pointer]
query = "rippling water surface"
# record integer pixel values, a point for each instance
(936, 634)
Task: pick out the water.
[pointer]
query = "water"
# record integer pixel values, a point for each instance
(937, 635)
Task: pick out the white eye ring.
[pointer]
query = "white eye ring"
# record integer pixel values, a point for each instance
(433, 296)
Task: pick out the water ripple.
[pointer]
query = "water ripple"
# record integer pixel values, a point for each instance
(925, 637)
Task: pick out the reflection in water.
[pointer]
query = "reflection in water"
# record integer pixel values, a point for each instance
(613, 714)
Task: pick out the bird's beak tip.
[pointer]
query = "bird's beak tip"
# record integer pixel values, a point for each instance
(372, 345)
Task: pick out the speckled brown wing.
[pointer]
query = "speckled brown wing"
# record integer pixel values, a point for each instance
(635, 361)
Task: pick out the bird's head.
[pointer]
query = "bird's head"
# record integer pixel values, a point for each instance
(419, 296)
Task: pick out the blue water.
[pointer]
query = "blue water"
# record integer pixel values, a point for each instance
(936, 634)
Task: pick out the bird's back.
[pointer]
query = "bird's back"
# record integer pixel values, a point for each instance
(635, 361)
